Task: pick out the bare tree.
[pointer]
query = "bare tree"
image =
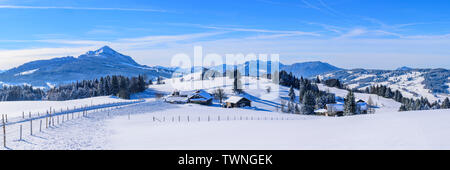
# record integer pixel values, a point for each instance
(219, 94)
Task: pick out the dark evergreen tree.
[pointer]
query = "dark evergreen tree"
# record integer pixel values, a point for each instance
(446, 104)
(308, 103)
(291, 94)
(350, 104)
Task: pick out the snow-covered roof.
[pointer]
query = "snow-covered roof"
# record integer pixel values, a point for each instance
(321, 111)
(234, 99)
(201, 93)
(175, 99)
(200, 99)
(336, 107)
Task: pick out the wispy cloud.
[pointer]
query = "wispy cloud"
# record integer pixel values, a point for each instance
(353, 33)
(80, 8)
(264, 31)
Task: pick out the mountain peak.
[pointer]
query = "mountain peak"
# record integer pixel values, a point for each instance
(404, 68)
(104, 50)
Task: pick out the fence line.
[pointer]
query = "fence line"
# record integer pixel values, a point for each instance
(50, 118)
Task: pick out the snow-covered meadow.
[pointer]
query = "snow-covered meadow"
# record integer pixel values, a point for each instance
(154, 124)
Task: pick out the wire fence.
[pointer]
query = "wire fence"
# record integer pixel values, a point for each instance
(17, 128)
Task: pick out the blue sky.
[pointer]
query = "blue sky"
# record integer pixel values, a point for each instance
(382, 34)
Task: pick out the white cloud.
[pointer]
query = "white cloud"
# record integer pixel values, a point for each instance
(9, 58)
(264, 31)
(79, 8)
(353, 33)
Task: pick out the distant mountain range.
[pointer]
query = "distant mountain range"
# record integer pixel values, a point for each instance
(306, 69)
(91, 65)
(414, 83)
(309, 69)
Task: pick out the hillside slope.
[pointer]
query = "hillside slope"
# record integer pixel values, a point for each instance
(413, 83)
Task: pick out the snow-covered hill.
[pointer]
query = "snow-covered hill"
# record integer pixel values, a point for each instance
(94, 64)
(413, 83)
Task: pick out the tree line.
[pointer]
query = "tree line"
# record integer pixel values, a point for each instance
(116, 85)
(119, 86)
(23, 92)
(408, 104)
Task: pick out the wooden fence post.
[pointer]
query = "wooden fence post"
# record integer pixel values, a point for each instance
(208, 118)
(20, 132)
(128, 115)
(188, 118)
(46, 121)
(6, 116)
(29, 115)
(23, 115)
(179, 118)
(40, 126)
(4, 132)
(31, 127)
(218, 118)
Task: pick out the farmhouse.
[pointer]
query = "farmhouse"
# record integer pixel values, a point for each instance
(334, 109)
(237, 101)
(361, 107)
(200, 97)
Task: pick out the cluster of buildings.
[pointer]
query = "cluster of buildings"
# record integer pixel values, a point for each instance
(338, 109)
(204, 98)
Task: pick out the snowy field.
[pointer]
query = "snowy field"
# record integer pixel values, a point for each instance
(16, 108)
(154, 124)
(157, 125)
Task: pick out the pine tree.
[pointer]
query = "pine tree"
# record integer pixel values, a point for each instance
(402, 108)
(308, 103)
(446, 104)
(292, 94)
(114, 85)
(350, 104)
(237, 86)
